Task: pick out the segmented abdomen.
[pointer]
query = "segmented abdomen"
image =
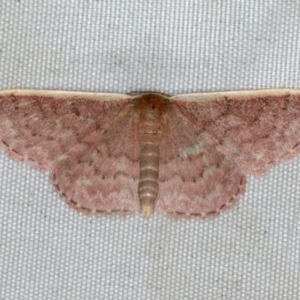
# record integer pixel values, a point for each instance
(150, 132)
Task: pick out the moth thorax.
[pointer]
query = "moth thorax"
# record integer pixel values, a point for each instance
(150, 132)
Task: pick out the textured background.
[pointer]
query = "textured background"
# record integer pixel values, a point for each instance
(47, 251)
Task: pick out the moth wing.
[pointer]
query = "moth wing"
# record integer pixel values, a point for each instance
(89, 142)
(194, 178)
(255, 129)
(40, 127)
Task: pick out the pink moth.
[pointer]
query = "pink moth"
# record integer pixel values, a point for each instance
(185, 155)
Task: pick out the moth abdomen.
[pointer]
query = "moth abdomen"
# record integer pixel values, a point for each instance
(150, 133)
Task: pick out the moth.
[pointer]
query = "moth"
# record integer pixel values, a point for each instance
(185, 155)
